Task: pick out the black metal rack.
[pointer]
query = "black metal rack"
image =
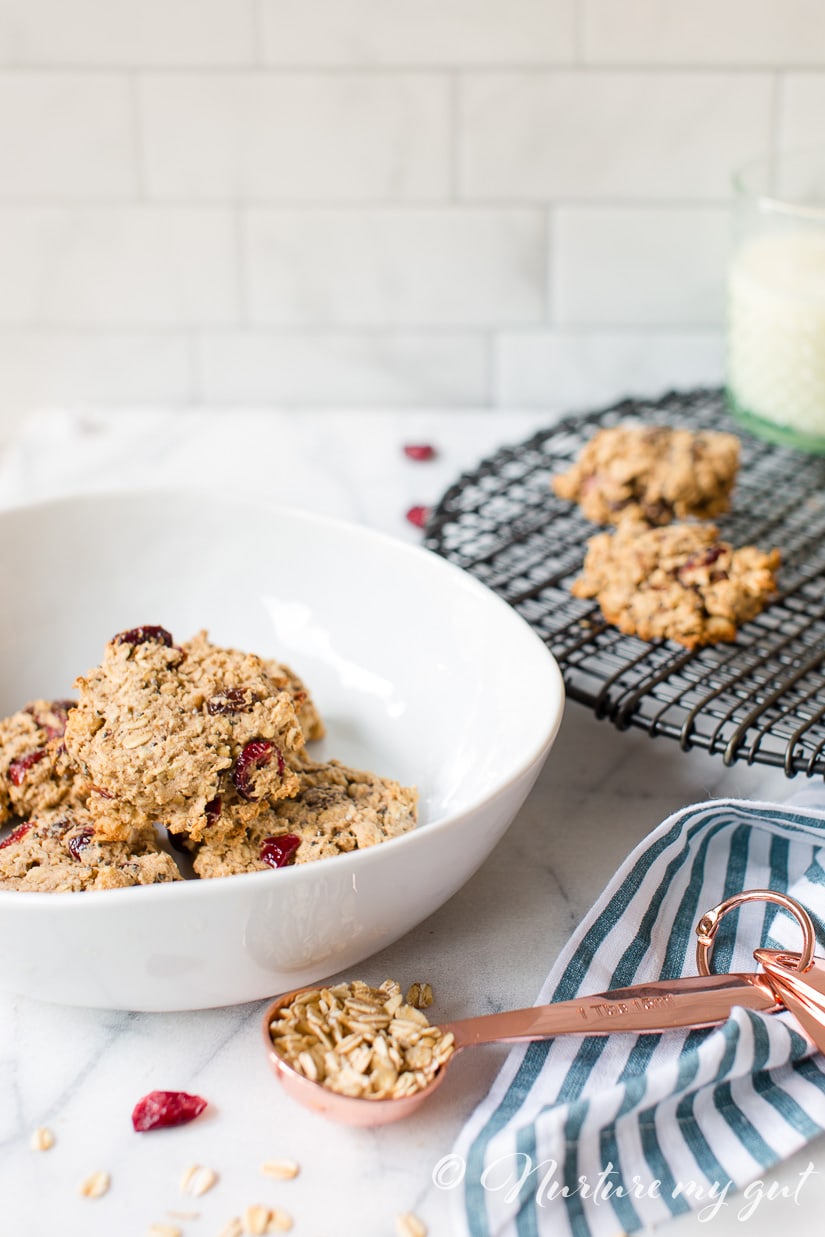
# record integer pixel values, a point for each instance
(761, 699)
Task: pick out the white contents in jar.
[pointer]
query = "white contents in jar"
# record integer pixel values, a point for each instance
(776, 330)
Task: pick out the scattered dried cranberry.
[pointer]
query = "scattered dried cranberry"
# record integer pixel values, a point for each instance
(213, 810)
(144, 635)
(280, 850)
(16, 834)
(19, 768)
(159, 1109)
(418, 516)
(420, 452)
(254, 756)
(78, 840)
(232, 700)
(104, 794)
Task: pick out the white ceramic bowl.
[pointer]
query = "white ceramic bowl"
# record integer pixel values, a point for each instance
(421, 674)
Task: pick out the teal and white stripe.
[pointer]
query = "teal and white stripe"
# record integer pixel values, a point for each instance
(697, 1111)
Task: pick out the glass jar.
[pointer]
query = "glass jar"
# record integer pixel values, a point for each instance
(776, 300)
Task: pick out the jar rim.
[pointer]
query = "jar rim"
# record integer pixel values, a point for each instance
(762, 180)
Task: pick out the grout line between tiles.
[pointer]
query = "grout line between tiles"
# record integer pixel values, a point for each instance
(138, 147)
(242, 277)
(193, 355)
(568, 66)
(455, 137)
(550, 272)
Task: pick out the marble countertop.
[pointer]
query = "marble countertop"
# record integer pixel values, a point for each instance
(80, 1071)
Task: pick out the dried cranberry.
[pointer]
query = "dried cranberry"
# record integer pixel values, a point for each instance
(280, 850)
(213, 810)
(144, 635)
(19, 768)
(254, 756)
(16, 834)
(703, 558)
(697, 562)
(78, 840)
(418, 516)
(420, 452)
(159, 1109)
(232, 700)
(104, 794)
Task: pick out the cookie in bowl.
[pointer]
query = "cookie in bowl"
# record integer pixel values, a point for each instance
(163, 730)
(35, 771)
(59, 851)
(335, 811)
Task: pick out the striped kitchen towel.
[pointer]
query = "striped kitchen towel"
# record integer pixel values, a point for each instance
(591, 1136)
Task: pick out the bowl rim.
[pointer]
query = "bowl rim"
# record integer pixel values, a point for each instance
(303, 872)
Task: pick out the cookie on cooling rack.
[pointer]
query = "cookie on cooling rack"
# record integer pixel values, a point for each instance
(653, 473)
(679, 582)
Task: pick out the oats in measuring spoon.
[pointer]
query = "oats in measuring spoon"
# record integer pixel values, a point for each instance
(360, 1041)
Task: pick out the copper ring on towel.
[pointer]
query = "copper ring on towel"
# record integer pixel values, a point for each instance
(709, 923)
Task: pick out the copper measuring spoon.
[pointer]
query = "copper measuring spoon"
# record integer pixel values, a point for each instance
(704, 1000)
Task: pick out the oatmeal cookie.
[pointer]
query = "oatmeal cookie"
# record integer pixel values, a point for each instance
(335, 810)
(58, 851)
(652, 473)
(35, 771)
(679, 582)
(162, 731)
(227, 819)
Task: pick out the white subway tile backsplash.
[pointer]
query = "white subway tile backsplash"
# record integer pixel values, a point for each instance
(127, 33)
(459, 267)
(639, 266)
(703, 32)
(92, 367)
(66, 136)
(426, 32)
(354, 369)
(802, 110)
(609, 134)
(298, 136)
(128, 266)
(581, 370)
(364, 202)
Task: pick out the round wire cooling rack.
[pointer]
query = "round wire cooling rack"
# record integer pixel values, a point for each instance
(760, 699)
